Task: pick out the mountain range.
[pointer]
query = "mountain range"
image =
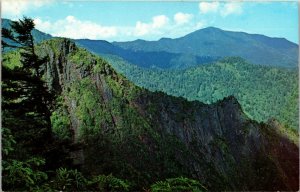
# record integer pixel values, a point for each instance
(211, 41)
(200, 47)
(147, 59)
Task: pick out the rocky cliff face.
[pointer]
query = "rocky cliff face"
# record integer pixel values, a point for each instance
(145, 136)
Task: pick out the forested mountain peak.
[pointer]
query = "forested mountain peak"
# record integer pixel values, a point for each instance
(212, 41)
(205, 30)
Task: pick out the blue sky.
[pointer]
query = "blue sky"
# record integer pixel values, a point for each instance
(124, 21)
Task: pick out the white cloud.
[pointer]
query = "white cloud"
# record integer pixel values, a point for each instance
(71, 27)
(231, 8)
(159, 26)
(42, 25)
(182, 18)
(207, 7)
(162, 26)
(158, 22)
(142, 28)
(17, 8)
(224, 9)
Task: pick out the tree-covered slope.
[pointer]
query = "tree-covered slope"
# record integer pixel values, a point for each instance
(141, 135)
(121, 129)
(264, 92)
(257, 49)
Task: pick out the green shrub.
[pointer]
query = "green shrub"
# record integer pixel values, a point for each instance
(69, 180)
(7, 141)
(23, 175)
(109, 183)
(61, 124)
(179, 184)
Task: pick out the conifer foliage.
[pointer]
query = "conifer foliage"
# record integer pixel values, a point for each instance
(26, 105)
(26, 100)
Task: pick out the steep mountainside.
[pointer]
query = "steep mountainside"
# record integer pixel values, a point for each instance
(264, 92)
(257, 49)
(119, 128)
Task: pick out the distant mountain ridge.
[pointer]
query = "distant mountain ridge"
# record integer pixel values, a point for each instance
(146, 59)
(211, 41)
(199, 47)
(152, 59)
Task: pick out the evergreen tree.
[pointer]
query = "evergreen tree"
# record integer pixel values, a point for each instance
(26, 102)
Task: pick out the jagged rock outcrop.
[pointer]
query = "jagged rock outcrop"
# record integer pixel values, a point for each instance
(144, 136)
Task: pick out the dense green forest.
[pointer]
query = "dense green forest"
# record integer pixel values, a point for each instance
(36, 134)
(264, 92)
(72, 123)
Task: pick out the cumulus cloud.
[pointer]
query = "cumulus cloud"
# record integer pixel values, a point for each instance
(158, 26)
(157, 23)
(142, 28)
(42, 25)
(224, 9)
(207, 7)
(71, 27)
(182, 18)
(231, 8)
(16, 8)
